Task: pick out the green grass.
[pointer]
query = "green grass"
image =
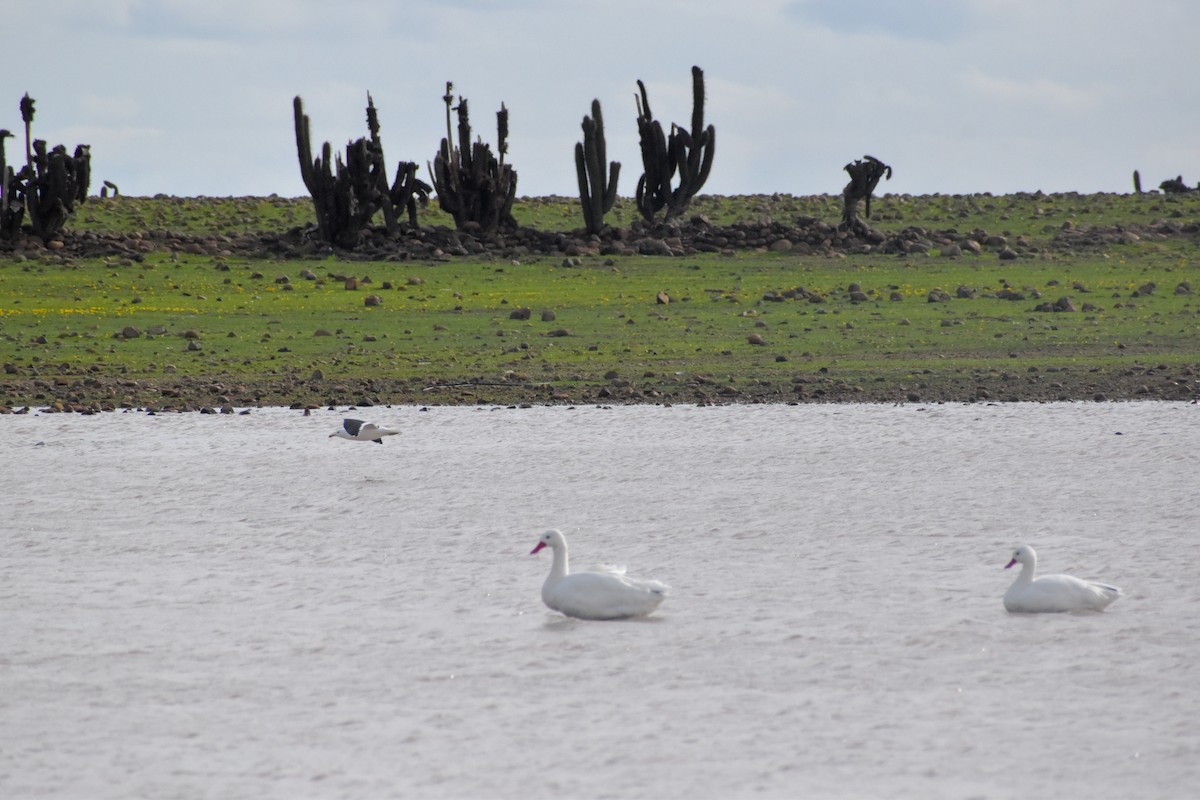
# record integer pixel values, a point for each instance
(449, 321)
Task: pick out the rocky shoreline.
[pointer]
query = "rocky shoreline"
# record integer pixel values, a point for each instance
(161, 394)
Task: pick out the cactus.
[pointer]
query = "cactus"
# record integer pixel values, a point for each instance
(12, 209)
(690, 152)
(47, 188)
(864, 177)
(654, 185)
(1176, 186)
(597, 193)
(347, 195)
(408, 190)
(472, 185)
(696, 150)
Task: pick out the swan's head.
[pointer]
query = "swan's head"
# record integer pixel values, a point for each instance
(552, 539)
(1022, 555)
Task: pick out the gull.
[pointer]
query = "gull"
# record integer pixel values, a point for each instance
(358, 431)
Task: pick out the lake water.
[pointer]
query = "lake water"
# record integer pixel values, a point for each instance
(197, 606)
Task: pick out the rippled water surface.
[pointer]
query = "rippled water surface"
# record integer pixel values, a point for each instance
(198, 606)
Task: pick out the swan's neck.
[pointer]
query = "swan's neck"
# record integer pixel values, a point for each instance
(1026, 576)
(559, 569)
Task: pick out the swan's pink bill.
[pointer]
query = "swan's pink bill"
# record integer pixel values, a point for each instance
(540, 545)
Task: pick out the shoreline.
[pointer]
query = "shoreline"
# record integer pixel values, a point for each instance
(92, 395)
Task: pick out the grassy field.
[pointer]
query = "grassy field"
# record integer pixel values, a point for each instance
(176, 328)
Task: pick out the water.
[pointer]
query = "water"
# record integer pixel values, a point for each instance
(238, 606)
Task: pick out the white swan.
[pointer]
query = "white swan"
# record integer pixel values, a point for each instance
(358, 431)
(608, 594)
(1053, 593)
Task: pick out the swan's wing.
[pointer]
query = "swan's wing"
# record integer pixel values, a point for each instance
(1065, 593)
(604, 595)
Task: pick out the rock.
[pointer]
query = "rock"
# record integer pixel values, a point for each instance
(780, 246)
(548, 315)
(1183, 288)
(951, 251)
(756, 339)
(1008, 254)
(351, 284)
(322, 332)
(520, 313)
(559, 332)
(1145, 289)
(130, 332)
(193, 344)
(662, 298)
(654, 247)
(372, 300)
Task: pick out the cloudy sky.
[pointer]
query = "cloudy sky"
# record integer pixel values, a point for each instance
(194, 97)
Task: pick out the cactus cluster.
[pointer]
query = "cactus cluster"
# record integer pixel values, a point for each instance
(473, 185)
(864, 177)
(688, 152)
(597, 189)
(47, 188)
(347, 195)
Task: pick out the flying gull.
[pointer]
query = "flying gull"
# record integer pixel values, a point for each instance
(358, 431)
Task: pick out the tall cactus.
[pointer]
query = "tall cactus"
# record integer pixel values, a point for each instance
(696, 148)
(597, 193)
(654, 185)
(12, 210)
(472, 185)
(690, 152)
(317, 175)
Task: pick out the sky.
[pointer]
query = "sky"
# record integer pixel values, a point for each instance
(194, 97)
